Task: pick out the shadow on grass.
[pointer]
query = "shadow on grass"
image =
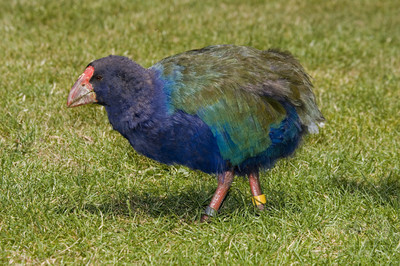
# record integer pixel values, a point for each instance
(187, 205)
(383, 191)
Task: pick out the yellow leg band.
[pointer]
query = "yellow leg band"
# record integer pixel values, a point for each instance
(258, 200)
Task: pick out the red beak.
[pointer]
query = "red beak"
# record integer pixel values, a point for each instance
(82, 91)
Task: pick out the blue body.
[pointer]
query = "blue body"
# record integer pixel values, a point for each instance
(176, 137)
(213, 109)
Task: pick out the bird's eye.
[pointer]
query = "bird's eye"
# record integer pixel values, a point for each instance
(99, 77)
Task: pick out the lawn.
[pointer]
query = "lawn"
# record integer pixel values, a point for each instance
(72, 190)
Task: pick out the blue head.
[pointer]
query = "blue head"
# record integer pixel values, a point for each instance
(124, 87)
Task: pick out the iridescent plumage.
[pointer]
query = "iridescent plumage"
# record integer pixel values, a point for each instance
(245, 96)
(222, 109)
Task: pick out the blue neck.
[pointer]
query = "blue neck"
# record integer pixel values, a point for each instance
(140, 109)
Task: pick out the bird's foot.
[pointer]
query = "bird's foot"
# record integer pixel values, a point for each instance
(205, 218)
(261, 207)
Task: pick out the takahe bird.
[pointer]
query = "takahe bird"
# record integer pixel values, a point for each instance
(222, 109)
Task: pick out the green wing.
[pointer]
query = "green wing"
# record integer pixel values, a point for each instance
(237, 91)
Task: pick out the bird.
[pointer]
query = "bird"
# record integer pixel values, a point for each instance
(225, 110)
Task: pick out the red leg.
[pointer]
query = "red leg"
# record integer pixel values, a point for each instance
(224, 183)
(258, 196)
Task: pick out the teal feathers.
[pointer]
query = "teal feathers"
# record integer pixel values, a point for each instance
(241, 93)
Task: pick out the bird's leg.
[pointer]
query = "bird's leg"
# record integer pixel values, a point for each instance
(258, 199)
(224, 183)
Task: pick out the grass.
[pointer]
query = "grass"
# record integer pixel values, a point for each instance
(73, 191)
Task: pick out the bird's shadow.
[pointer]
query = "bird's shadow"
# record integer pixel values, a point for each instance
(384, 191)
(188, 203)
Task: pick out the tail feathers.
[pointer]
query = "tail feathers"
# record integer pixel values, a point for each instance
(295, 87)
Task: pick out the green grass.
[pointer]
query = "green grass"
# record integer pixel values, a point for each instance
(73, 191)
